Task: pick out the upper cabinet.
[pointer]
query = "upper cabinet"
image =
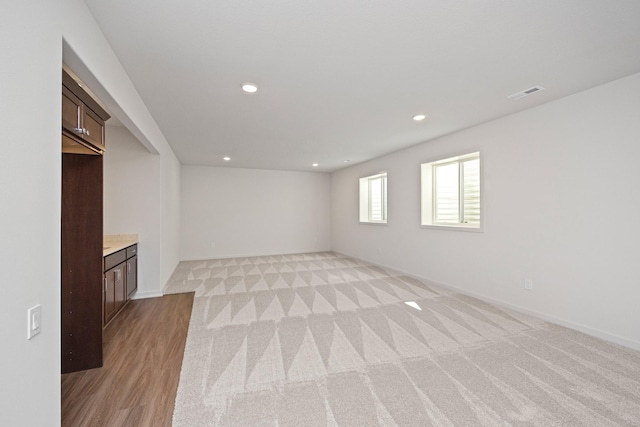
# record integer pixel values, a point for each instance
(82, 120)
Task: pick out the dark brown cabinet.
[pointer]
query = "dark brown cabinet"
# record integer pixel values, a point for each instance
(120, 281)
(81, 262)
(132, 275)
(120, 288)
(83, 130)
(132, 270)
(114, 291)
(81, 228)
(109, 297)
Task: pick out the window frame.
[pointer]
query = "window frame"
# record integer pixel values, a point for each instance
(428, 191)
(365, 199)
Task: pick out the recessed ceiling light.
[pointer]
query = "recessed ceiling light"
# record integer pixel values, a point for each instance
(226, 158)
(249, 87)
(315, 165)
(419, 117)
(347, 161)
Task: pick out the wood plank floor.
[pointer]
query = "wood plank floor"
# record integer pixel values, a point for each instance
(143, 349)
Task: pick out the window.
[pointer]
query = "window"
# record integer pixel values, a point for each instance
(451, 192)
(373, 198)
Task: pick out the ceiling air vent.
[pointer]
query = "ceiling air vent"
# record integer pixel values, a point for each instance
(524, 93)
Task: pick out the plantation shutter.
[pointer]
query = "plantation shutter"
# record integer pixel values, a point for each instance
(377, 196)
(471, 191)
(446, 200)
(457, 192)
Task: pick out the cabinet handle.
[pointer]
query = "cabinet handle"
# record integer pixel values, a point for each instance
(106, 284)
(129, 266)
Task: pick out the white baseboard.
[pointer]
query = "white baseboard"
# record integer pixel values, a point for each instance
(147, 294)
(543, 316)
(253, 255)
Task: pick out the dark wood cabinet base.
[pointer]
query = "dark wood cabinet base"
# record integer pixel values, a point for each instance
(120, 280)
(81, 263)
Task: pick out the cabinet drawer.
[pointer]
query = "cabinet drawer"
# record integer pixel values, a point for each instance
(132, 251)
(114, 259)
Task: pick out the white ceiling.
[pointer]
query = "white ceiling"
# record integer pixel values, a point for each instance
(341, 79)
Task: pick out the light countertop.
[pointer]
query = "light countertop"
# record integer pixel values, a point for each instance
(112, 243)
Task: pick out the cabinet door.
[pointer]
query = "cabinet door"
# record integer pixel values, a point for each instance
(114, 291)
(132, 275)
(109, 295)
(72, 108)
(120, 285)
(93, 128)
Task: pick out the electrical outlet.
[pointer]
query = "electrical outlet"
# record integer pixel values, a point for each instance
(34, 318)
(528, 284)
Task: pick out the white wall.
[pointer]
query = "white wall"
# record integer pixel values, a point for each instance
(30, 167)
(89, 55)
(132, 201)
(170, 220)
(31, 41)
(142, 196)
(561, 208)
(248, 212)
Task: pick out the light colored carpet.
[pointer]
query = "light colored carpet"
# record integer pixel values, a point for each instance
(321, 339)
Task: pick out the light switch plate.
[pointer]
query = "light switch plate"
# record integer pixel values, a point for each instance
(34, 317)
